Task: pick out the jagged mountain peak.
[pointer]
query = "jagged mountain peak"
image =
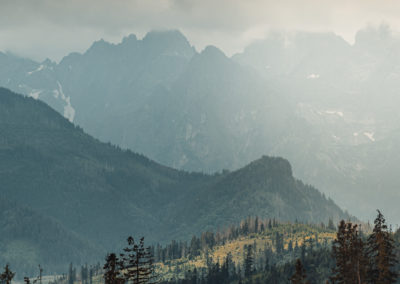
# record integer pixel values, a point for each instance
(48, 62)
(213, 52)
(212, 57)
(131, 38)
(169, 42)
(165, 36)
(100, 46)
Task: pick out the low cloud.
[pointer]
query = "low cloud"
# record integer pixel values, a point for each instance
(52, 28)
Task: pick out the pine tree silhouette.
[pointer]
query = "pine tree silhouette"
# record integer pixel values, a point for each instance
(7, 275)
(248, 261)
(137, 263)
(71, 274)
(348, 251)
(358, 256)
(381, 254)
(112, 270)
(299, 277)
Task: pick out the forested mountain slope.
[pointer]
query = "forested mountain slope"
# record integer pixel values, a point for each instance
(28, 239)
(104, 194)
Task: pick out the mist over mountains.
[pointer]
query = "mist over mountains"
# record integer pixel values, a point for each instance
(67, 193)
(328, 107)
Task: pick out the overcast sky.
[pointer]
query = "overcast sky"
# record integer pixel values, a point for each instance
(53, 28)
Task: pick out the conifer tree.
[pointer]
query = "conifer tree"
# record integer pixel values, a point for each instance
(348, 251)
(39, 278)
(71, 274)
(303, 250)
(229, 264)
(256, 224)
(290, 246)
(331, 225)
(358, 258)
(84, 274)
(248, 261)
(299, 277)
(381, 254)
(91, 275)
(279, 243)
(7, 275)
(137, 263)
(112, 270)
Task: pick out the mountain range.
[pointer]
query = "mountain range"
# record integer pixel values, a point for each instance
(65, 191)
(327, 106)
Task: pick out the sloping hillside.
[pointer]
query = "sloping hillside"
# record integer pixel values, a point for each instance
(28, 239)
(104, 193)
(265, 187)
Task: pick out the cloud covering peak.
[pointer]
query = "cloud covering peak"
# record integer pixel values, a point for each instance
(53, 28)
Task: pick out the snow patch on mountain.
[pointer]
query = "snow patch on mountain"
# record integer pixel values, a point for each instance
(35, 94)
(370, 136)
(40, 68)
(338, 113)
(69, 111)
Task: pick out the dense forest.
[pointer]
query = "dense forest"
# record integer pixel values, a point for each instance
(256, 251)
(354, 256)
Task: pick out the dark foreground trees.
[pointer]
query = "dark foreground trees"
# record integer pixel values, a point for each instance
(381, 254)
(7, 275)
(299, 277)
(112, 268)
(354, 259)
(349, 253)
(360, 262)
(135, 265)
